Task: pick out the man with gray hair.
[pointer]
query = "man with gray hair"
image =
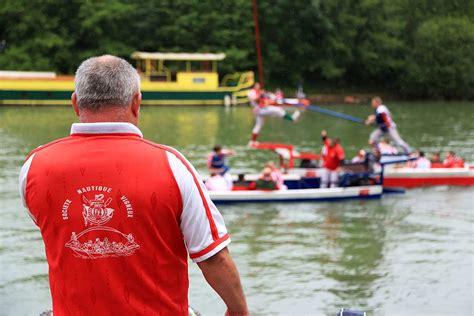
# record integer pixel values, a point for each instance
(119, 214)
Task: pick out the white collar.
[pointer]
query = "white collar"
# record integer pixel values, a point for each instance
(105, 128)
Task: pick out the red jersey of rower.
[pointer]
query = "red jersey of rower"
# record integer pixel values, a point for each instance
(119, 215)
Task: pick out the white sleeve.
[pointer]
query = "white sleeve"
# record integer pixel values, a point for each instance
(202, 225)
(22, 183)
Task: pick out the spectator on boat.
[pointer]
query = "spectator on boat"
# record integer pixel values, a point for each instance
(436, 160)
(300, 93)
(265, 181)
(241, 184)
(143, 203)
(422, 162)
(279, 96)
(360, 157)
(263, 108)
(385, 148)
(216, 182)
(332, 157)
(277, 176)
(452, 161)
(216, 162)
(385, 126)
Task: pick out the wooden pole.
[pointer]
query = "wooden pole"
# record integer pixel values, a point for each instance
(257, 44)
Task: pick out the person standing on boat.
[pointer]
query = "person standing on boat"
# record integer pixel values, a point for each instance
(118, 214)
(262, 108)
(385, 126)
(332, 156)
(216, 163)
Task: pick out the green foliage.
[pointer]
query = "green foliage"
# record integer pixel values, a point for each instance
(441, 64)
(422, 48)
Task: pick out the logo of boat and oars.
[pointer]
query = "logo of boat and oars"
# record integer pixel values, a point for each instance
(97, 212)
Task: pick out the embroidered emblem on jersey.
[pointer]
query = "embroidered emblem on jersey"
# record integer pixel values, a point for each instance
(96, 211)
(98, 241)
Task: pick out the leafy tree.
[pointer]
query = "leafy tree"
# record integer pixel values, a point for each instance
(397, 45)
(442, 61)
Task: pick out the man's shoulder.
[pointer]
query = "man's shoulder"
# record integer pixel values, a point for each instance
(162, 148)
(382, 108)
(47, 146)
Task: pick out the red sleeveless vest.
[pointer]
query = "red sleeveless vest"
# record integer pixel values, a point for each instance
(108, 207)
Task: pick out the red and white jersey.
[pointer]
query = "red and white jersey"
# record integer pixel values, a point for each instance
(383, 117)
(118, 216)
(254, 94)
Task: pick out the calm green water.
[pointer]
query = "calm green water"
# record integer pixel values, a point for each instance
(406, 254)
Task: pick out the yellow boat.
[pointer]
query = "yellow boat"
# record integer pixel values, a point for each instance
(166, 79)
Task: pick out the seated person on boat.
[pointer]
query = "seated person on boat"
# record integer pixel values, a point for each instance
(265, 182)
(436, 160)
(360, 157)
(422, 162)
(216, 163)
(270, 179)
(452, 161)
(217, 183)
(385, 148)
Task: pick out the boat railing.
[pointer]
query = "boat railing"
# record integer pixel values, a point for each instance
(238, 80)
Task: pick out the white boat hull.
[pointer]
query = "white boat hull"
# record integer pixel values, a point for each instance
(298, 195)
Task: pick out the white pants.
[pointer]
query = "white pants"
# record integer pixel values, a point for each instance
(392, 133)
(329, 178)
(262, 112)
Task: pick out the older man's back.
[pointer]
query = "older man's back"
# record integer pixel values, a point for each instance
(119, 214)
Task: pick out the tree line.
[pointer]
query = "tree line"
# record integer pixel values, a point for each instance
(412, 48)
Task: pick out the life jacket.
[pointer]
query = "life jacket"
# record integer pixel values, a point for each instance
(218, 161)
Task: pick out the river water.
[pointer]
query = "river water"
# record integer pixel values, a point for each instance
(408, 254)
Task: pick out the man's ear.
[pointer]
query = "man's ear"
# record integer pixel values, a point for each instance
(136, 101)
(74, 103)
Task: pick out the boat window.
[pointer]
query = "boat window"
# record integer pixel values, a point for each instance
(199, 80)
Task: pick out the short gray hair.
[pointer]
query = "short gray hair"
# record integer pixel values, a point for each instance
(105, 81)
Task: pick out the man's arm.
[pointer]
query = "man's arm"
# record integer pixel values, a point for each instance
(222, 275)
(324, 136)
(370, 120)
(206, 236)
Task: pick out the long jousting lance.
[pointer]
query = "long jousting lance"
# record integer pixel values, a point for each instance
(343, 116)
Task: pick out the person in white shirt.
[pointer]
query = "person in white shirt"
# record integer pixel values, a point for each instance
(422, 162)
(217, 183)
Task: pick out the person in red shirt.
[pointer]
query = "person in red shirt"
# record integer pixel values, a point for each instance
(451, 161)
(332, 156)
(436, 160)
(118, 214)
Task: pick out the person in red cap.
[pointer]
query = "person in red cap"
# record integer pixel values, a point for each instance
(118, 214)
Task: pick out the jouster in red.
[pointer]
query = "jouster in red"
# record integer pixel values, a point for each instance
(119, 215)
